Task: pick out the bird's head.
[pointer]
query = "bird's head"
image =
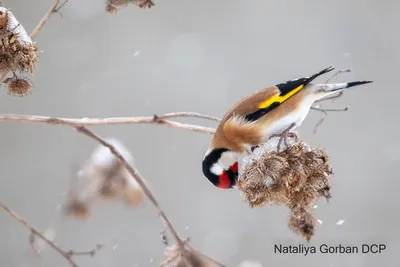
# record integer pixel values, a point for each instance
(220, 166)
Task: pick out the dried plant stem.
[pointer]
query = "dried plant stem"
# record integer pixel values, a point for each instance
(138, 179)
(46, 17)
(35, 232)
(207, 257)
(116, 120)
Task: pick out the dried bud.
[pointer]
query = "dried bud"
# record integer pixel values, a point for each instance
(296, 177)
(18, 86)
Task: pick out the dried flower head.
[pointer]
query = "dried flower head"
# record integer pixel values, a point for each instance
(17, 51)
(3, 21)
(173, 258)
(296, 177)
(104, 177)
(113, 6)
(18, 86)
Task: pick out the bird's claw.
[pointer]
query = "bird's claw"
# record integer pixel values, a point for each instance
(283, 137)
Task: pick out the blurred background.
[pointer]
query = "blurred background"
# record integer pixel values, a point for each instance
(202, 56)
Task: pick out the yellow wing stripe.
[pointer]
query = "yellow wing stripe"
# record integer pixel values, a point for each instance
(280, 99)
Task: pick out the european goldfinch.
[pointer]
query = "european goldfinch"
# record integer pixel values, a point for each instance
(273, 111)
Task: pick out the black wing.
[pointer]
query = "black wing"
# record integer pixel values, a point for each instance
(285, 89)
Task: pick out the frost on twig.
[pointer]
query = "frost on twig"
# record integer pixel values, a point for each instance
(103, 176)
(113, 6)
(17, 53)
(296, 177)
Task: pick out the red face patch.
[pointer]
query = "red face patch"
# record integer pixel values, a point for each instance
(234, 167)
(224, 181)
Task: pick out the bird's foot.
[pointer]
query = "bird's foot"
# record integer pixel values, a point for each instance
(283, 137)
(336, 74)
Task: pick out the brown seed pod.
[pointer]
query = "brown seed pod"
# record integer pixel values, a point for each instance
(296, 177)
(18, 86)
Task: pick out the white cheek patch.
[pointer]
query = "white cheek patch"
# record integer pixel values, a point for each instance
(227, 159)
(217, 169)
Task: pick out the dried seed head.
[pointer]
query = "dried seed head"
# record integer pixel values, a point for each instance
(296, 177)
(18, 86)
(143, 3)
(303, 223)
(113, 6)
(3, 21)
(17, 51)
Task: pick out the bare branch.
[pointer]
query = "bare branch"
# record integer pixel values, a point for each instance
(54, 8)
(91, 252)
(35, 232)
(115, 120)
(137, 177)
(188, 114)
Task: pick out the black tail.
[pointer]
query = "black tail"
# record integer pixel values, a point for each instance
(290, 85)
(351, 84)
(313, 77)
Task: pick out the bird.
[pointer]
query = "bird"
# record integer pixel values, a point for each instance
(273, 111)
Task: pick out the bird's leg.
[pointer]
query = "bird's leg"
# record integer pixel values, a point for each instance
(284, 135)
(337, 73)
(331, 97)
(325, 111)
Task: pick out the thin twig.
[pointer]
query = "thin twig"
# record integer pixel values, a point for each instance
(115, 120)
(54, 8)
(138, 179)
(207, 257)
(37, 233)
(188, 114)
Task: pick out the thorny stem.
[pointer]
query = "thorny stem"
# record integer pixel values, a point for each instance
(115, 120)
(35, 232)
(54, 8)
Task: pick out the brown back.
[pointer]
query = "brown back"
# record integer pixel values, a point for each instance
(243, 107)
